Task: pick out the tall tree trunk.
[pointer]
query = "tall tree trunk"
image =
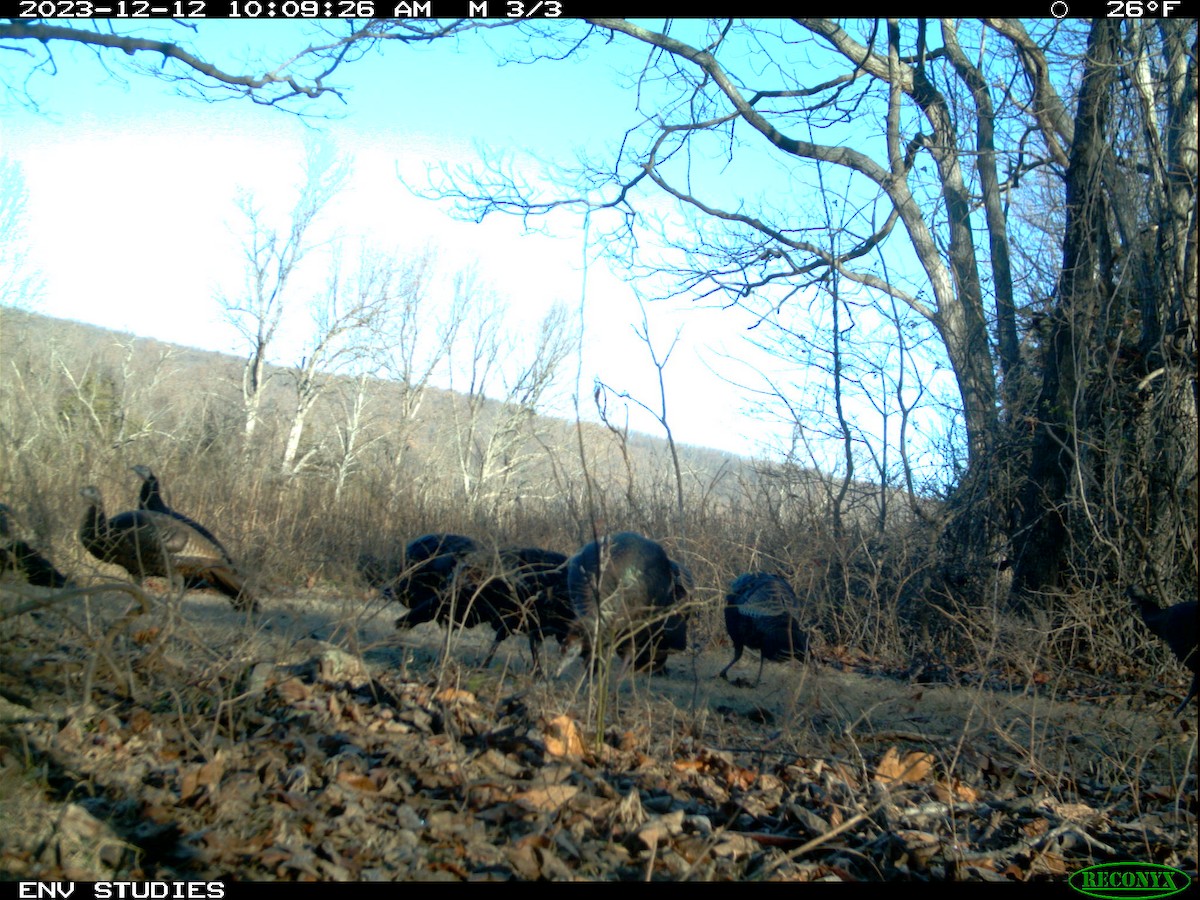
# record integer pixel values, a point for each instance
(1041, 539)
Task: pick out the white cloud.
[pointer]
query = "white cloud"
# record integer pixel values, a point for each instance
(134, 226)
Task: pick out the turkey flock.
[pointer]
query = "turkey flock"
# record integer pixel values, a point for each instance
(618, 597)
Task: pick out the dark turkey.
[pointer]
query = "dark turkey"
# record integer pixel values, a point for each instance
(1177, 626)
(515, 591)
(147, 543)
(623, 591)
(682, 582)
(429, 564)
(150, 497)
(674, 628)
(762, 613)
(19, 558)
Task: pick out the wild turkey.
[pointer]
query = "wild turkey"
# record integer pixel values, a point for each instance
(429, 563)
(682, 582)
(144, 542)
(547, 581)
(623, 592)
(516, 591)
(19, 557)
(674, 627)
(150, 497)
(761, 612)
(1177, 625)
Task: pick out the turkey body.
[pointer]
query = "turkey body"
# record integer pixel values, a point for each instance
(147, 543)
(21, 559)
(150, 498)
(1176, 626)
(515, 591)
(761, 612)
(623, 592)
(429, 564)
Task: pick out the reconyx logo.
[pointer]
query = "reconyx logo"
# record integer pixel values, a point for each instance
(1129, 879)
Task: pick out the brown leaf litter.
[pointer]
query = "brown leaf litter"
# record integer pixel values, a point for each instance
(254, 756)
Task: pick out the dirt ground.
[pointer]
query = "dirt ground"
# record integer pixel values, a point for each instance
(317, 743)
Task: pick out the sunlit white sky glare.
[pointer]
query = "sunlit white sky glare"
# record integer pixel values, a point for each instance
(133, 224)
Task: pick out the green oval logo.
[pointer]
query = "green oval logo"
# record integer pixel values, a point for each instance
(1124, 880)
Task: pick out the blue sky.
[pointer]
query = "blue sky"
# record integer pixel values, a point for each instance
(132, 223)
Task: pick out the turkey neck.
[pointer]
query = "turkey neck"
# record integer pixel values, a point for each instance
(94, 529)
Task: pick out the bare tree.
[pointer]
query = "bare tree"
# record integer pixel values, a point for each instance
(351, 433)
(494, 435)
(303, 73)
(103, 394)
(347, 318)
(1116, 412)
(528, 383)
(968, 111)
(659, 359)
(20, 284)
(474, 367)
(273, 255)
(759, 247)
(975, 119)
(414, 346)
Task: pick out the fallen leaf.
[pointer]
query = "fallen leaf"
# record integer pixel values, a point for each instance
(202, 778)
(546, 799)
(915, 766)
(562, 737)
(1036, 827)
(454, 695)
(293, 690)
(357, 782)
(954, 790)
(140, 720)
(741, 778)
